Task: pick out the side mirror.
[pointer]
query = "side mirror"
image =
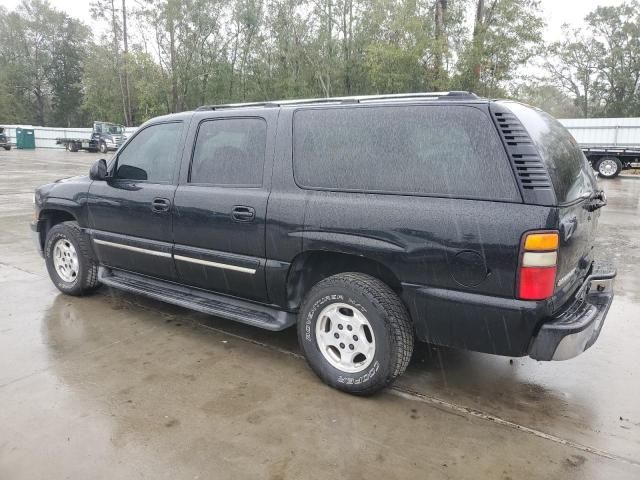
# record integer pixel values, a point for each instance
(98, 170)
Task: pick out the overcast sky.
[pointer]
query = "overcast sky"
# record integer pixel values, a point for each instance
(556, 12)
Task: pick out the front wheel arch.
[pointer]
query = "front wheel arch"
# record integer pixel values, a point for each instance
(50, 218)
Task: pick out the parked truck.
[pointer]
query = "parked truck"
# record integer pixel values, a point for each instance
(105, 137)
(610, 161)
(610, 144)
(4, 140)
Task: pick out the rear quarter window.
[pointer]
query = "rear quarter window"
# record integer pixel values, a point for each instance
(451, 151)
(570, 172)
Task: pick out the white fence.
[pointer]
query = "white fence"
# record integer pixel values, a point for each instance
(46, 136)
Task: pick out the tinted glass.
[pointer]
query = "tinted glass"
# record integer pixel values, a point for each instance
(230, 152)
(151, 155)
(433, 150)
(570, 172)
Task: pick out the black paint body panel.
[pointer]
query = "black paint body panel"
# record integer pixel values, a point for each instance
(452, 261)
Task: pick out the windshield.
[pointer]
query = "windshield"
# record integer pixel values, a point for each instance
(117, 129)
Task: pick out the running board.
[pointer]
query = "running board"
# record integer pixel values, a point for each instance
(262, 316)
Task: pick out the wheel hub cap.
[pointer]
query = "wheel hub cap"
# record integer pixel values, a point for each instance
(65, 260)
(345, 337)
(607, 167)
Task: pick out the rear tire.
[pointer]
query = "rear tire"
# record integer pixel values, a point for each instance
(355, 333)
(68, 259)
(609, 167)
(73, 147)
(7, 147)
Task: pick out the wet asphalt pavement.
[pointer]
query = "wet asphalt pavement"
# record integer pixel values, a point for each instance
(118, 386)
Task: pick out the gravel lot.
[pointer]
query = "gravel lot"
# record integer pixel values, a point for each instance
(119, 386)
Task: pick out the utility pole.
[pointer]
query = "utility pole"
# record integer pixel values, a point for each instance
(116, 54)
(124, 64)
(440, 45)
(478, 33)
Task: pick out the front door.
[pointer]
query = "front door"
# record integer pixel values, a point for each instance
(220, 207)
(130, 213)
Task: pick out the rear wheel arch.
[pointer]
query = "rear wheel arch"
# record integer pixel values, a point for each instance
(311, 267)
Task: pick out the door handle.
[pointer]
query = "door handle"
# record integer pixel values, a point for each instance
(160, 205)
(243, 214)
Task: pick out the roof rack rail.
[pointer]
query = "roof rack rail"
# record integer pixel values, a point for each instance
(453, 95)
(236, 105)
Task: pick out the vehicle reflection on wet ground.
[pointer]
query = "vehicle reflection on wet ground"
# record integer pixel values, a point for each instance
(120, 386)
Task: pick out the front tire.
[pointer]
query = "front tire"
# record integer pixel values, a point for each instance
(355, 333)
(69, 263)
(609, 167)
(103, 148)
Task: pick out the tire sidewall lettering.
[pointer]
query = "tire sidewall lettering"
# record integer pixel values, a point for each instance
(309, 319)
(368, 375)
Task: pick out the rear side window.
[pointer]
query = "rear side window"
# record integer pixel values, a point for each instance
(230, 152)
(430, 150)
(570, 172)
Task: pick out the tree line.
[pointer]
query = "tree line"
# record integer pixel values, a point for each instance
(153, 57)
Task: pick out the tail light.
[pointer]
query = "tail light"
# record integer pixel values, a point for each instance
(538, 265)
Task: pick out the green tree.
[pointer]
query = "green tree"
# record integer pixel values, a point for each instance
(616, 36)
(507, 34)
(68, 50)
(41, 52)
(573, 67)
(548, 98)
(600, 65)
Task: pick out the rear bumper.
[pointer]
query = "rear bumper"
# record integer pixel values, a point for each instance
(470, 321)
(575, 329)
(515, 328)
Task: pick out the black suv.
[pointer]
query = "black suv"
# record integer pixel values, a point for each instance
(368, 222)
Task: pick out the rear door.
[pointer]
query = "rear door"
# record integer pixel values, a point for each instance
(130, 213)
(220, 205)
(574, 185)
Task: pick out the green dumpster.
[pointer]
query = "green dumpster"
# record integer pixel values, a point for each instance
(25, 138)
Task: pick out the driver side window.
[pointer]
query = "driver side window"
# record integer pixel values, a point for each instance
(151, 155)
